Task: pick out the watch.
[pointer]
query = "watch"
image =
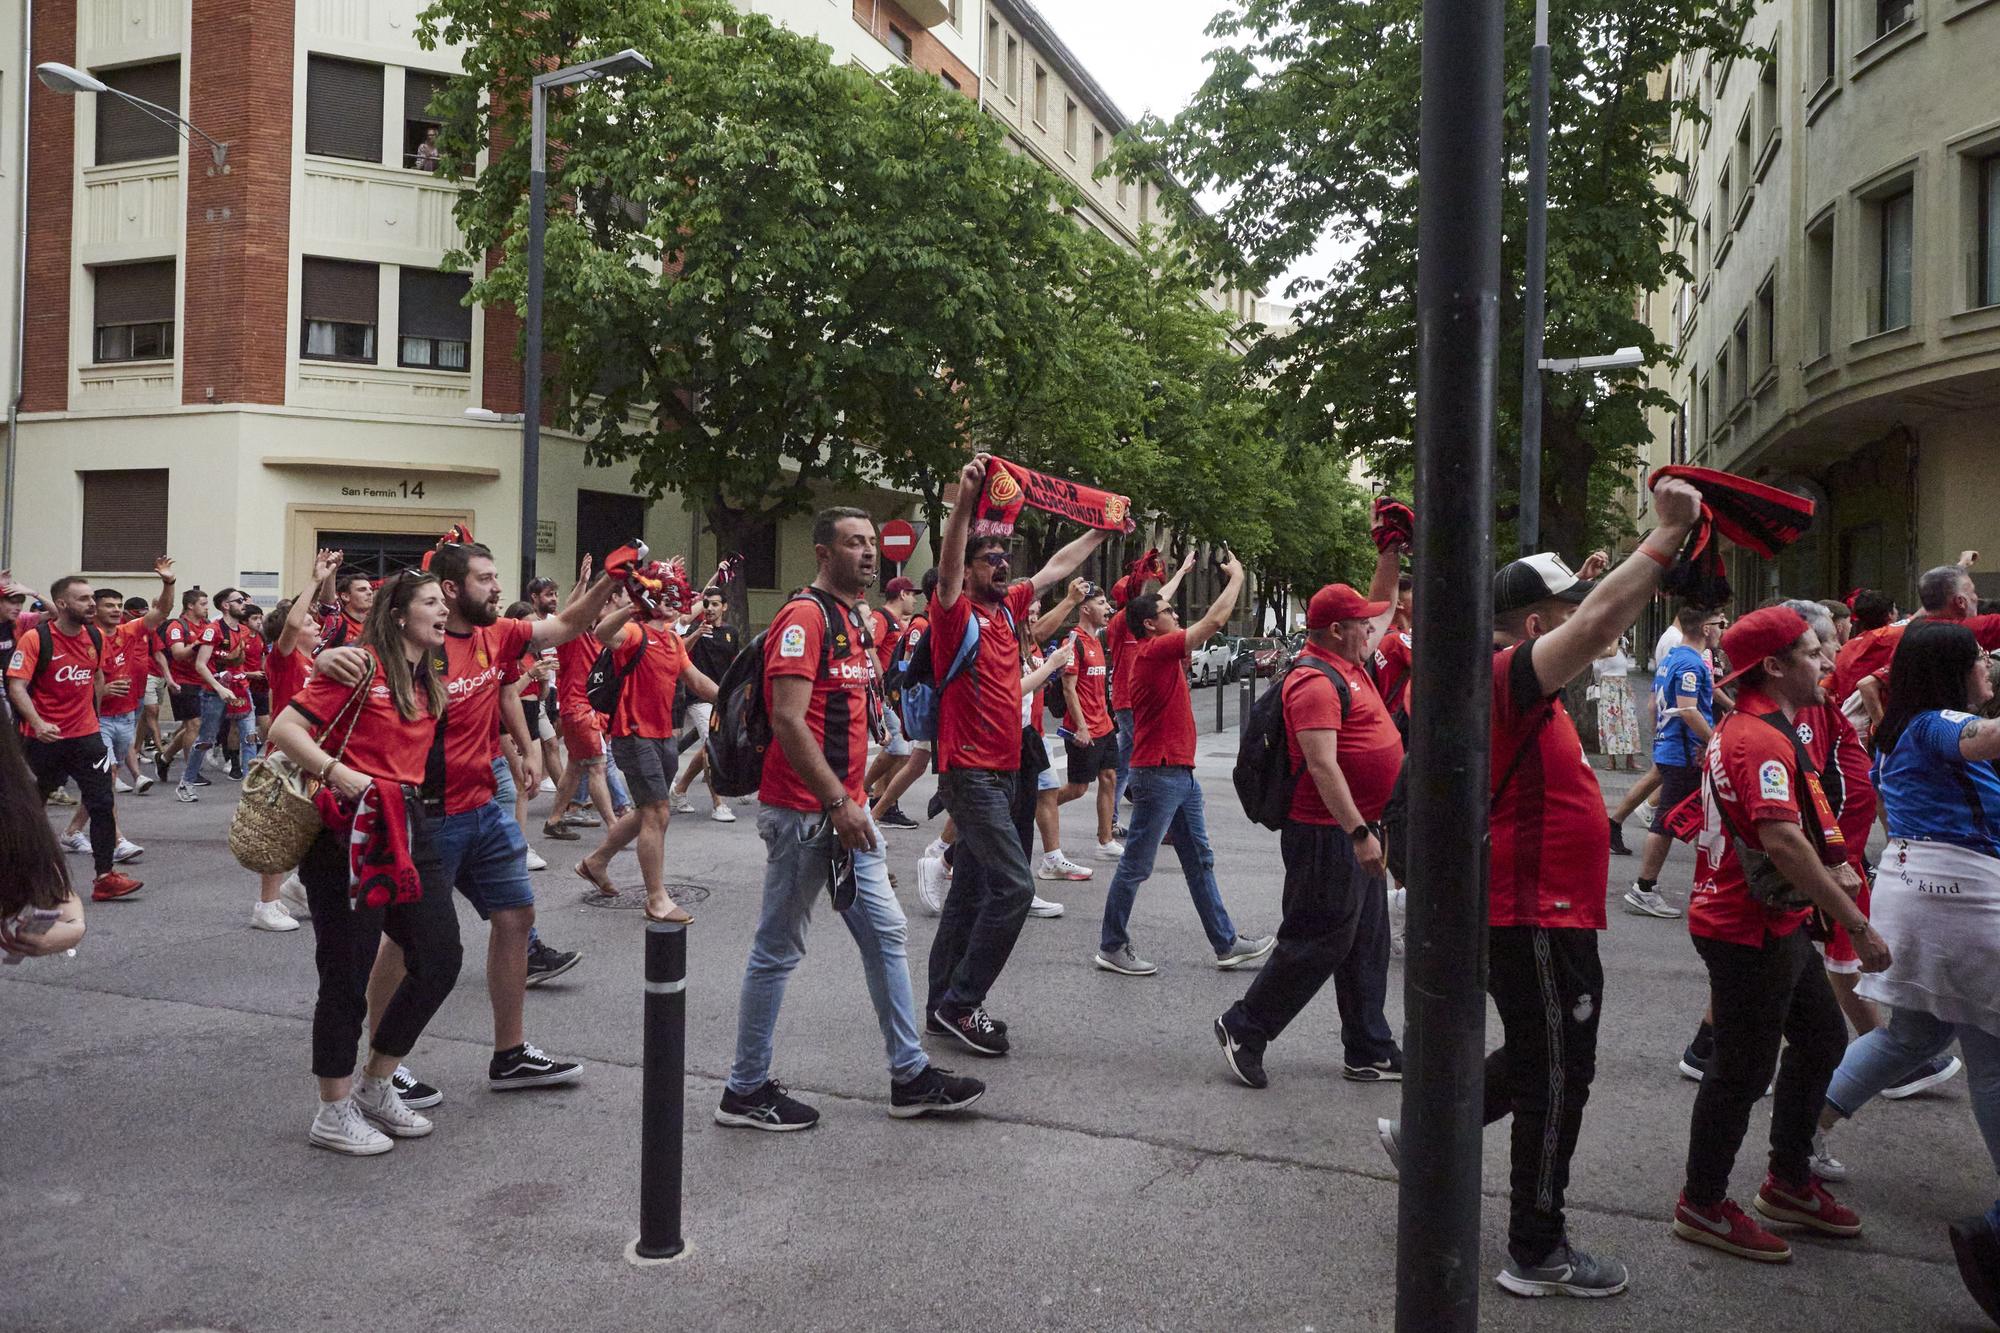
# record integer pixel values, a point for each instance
(1359, 831)
(834, 804)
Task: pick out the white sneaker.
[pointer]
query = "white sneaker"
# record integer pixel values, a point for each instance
(272, 916)
(76, 844)
(1823, 1163)
(127, 850)
(292, 893)
(548, 786)
(1399, 899)
(376, 1098)
(1043, 907)
(1397, 948)
(535, 861)
(937, 848)
(722, 814)
(933, 879)
(339, 1128)
(121, 786)
(1057, 866)
(1110, 851)
(1648, 902)
(143, 785)
(185, 794)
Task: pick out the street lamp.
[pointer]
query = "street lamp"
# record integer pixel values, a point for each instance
(627, 61)
(69, 80)
(1625, 358)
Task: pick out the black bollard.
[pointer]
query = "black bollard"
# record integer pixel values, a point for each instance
(662, 1096)
(1221, 690)
(1249, 698)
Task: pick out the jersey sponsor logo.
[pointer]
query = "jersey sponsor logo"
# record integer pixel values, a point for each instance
(1773, 782)
(20, 659)
(72, 675)
(792, 643)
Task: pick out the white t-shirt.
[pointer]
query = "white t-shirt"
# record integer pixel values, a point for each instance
(1669, 641)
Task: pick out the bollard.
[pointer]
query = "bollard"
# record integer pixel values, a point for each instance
(1249, 698)
(1221, 690)
(662, 1097)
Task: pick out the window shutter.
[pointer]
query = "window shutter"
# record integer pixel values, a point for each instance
(343, 109)
(125, 133)
(344, 293)
(418, 89)
(430, 305)
(135, 294)
(124, 519)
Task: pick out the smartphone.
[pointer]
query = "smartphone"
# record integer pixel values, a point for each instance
(36, 921)
(841, 877)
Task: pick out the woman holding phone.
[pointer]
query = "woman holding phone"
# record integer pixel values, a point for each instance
(389, 748)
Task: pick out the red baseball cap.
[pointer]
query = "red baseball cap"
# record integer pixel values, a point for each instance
(897, 586)
(1337, 602)
(1761, 634)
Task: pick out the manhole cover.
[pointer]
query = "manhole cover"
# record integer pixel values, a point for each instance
(632, 897)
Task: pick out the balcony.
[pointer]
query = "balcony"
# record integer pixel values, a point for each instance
(927, 13)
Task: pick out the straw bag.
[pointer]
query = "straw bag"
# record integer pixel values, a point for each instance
(276, 821)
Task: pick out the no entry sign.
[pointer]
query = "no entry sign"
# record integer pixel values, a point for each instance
(899, 540)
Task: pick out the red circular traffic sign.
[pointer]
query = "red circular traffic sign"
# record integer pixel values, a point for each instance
(899, 540)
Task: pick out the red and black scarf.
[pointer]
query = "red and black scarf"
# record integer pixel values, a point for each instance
(1009, 486)
(381, 870)
(1756, 517)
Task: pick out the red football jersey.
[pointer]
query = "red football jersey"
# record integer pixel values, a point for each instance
(646, 701)
(473, 667)
(979, 714)
(837, 712)
(181, 632)
(286, 674)
(1086, 665)
(384, 745)
(1121, 645)
(1551, 841)
(65, 694)
(1162, 707)
(128, 657)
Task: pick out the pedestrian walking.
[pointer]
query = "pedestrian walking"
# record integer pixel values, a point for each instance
(1617, 715)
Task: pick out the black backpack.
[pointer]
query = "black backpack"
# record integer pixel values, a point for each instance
(1264, 776)
(739, 729)
(606, 680)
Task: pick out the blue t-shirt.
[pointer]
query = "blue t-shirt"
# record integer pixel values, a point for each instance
(1682, 671)
(1930, 792)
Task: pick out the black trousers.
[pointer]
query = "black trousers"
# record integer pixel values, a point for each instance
(347, 937)
(1336, 926)
(84, 759)
(1763, 995)
(991, 885)
(1548, 986)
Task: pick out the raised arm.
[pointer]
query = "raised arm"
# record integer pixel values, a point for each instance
(1173, 584)
(951, 552)
(325, 565)
(1382, 587)
(613, 625)
(1064, 562)
(162, 608)
(575, 618)
(1056, 616)
(1221, 608)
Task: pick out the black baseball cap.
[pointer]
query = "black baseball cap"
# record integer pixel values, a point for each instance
(1537, 578)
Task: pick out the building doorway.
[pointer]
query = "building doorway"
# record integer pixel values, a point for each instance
(377, 542)
(607, 520)
(377, 555)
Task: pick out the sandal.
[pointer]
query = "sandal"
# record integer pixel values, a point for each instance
(679, 918)
(603, 886)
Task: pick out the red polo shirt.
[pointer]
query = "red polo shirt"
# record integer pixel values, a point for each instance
(1369, 749)
(1120, 645)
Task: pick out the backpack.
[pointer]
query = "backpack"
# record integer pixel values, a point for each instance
(905, 661)
(922, 690)
(739, 728)
(1264, 777)
(606, 680)
(45, 651)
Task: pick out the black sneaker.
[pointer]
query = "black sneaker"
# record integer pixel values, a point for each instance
(1246, 1064)
(1382, 1071)
(894, 817)
(1694, 1060)
(526, 1066)
(196, 779)
(1119, 833)
(235, 770)
(972, 1029)
(1618, 847)
(546, 964)
(164, 769)
(768, 1108)
(936, 1029)
(416, 1094)
(931, 1091)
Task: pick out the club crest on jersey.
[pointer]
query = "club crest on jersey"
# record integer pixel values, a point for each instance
(792, 643)
(1773, 782)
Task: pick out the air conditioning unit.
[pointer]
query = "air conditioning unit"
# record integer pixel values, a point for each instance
(927, 13)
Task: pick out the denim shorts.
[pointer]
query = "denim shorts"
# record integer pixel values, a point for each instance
(503, 782)
(119, 732)
(483, 853)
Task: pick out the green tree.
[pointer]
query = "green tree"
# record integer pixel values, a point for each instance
(1306, 127)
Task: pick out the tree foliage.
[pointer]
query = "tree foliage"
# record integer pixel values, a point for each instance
(1307, 128)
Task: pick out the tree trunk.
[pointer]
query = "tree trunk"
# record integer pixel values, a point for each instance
(733, 529)
(1566, 460)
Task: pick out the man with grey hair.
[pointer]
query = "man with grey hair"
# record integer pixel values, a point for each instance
(1946, 593)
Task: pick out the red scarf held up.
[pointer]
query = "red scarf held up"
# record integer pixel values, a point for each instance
(381, 871)
(1009, 486)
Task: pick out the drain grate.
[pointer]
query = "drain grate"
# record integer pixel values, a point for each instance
(632, 897)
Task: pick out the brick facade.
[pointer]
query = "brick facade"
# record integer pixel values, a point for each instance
(927, 53)
(235, 330)
(51, 171)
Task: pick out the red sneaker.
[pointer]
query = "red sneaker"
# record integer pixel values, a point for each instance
(1728, 1228)
(112, 885)
(1809, 1207)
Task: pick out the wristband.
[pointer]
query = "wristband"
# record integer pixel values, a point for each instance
(1655, 556)
(1359, 831)
(326, 774)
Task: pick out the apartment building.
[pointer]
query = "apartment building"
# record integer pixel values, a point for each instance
(1841, 334)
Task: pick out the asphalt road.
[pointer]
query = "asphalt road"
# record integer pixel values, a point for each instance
(155, 1095)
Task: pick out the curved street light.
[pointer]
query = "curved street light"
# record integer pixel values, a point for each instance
(69, 80)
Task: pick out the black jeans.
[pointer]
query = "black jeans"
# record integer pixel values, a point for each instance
(1763, 995)
(991, 886)
(85, 759)
(348, 936)
(1336, 926)
(1549, 988)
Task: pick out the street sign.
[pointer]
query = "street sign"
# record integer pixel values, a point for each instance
(899, 540)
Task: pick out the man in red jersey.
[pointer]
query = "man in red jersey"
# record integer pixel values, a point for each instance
(1119, 645)
(1767, 820)
(582, 731)
(1165, 794)
(479, 845)
(225, 698)
(1091, 741)
(181, 639)
(340, 620)
(980, 747)
(1346, 751)
(54, 680)
(1945, 593)
(819, 690)
(126, 665)
(887, 624)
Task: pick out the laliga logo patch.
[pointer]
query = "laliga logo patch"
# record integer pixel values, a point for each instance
(1773, 782)
(1003, 489)
(792, 643)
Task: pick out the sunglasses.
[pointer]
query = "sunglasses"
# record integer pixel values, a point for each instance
(996, 559)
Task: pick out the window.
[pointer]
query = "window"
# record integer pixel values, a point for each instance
(1704, 419)
(343, 109)
(1722, 197)
(1892, 14)
(124, 518)
(949, 82)
(126, 133)
(420, 125)
(1767, 101)
(1744, 166)
(1896, 216)
(1987, 259)
(1819, 286)
(899, 44)
(1767, 327)
(992, 50)
(337, 305)
(1826, 42)
(1069, 127)
(134, 312)
(1121, 191)
(1013, 69)
(1707, 247)
(1096, 148)
(1724, 397)
(1041, 96)
(435, 323)
(1739, 356)
(1145, 203)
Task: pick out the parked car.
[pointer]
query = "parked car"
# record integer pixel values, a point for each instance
(1211, 662)
(1259, 655)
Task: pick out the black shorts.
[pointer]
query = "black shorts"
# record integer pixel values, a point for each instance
(187, 703)
(260, 702)
(1677, 783)
(1087, 761)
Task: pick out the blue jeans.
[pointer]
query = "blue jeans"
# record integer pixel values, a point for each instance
(1880, 1059)
(795, 876)
(1164, 798)
(1122, 720)
(214, 721)
(620, 798)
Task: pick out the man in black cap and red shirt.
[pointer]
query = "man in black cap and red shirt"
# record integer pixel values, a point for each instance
(1767, 822)
(1550, 861)
(1346, 750)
